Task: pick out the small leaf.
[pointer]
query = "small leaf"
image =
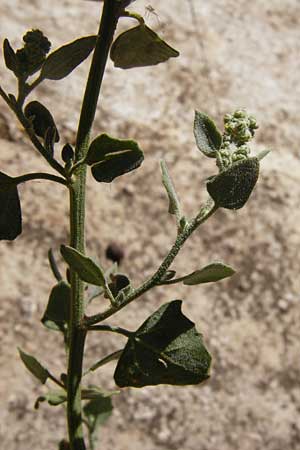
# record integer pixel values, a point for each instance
(98, 411)
(93, 392)
(263, 154)
(140, 47)
(57, 311)
(232, 188)
(42, 121)
(65, 59)
(111, 158)
(86, 269)
(166, 349)
(32, 364)
(208, 137)
(168, 275)
(212, 272)
(119, 283)
(10, 57)
(174, 205)
(54, 398)
(10, 209)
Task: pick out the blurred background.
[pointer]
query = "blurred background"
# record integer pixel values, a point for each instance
(234, 53)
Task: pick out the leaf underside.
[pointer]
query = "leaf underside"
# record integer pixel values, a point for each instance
(213, 272)
(34, 366)
(85, 267)
(208, 137)
(65, 59)
(166, 349)
(139, 47)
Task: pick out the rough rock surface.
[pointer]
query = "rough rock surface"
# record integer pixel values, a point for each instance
(243, 54)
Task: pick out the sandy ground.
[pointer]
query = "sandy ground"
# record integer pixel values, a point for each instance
(244, 54)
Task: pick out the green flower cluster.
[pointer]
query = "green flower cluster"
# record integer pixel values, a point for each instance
(32, 55)
(239, 130)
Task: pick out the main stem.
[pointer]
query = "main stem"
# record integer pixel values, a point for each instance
(109, 19)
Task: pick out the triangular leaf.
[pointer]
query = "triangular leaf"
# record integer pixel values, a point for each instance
(111, 158)
(10, 209)
(34, 367)
(139, 47)
(174, 205)
(232, 188)
(85, 267)
(41, 120)
(208, 137)
(166, 349)
(54, 398)
(57, 311)
(65, 59)
(212, 272)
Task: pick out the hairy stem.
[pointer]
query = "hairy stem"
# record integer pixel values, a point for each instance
(112, 329)
(109, 19)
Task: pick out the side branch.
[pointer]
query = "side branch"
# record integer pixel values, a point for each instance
(12, 104)
(204, 214)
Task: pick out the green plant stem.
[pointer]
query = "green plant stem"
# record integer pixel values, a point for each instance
(39, 176)
(53, 266)
(111, 357)
(55, 380)
(110, 15)
(202, 217)
(111, 328)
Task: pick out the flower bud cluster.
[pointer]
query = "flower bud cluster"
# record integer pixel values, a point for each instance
(239, 130)
(239, 127)
(32, 55)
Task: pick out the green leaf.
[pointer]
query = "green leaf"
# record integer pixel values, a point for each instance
(10, 209)
(10, 57)
(86, 269)
(119, 283)
(54, 398)
(97, 411)
(232, 188)
(208, 137)
(65, 59)
(42, 121)
(32, 364)
(174, 205)
(140, 47)
(212, 272)
(111, 158)
(166, 349)
(57, 311)
(263, 154)
(93, 392)
(168, 275)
